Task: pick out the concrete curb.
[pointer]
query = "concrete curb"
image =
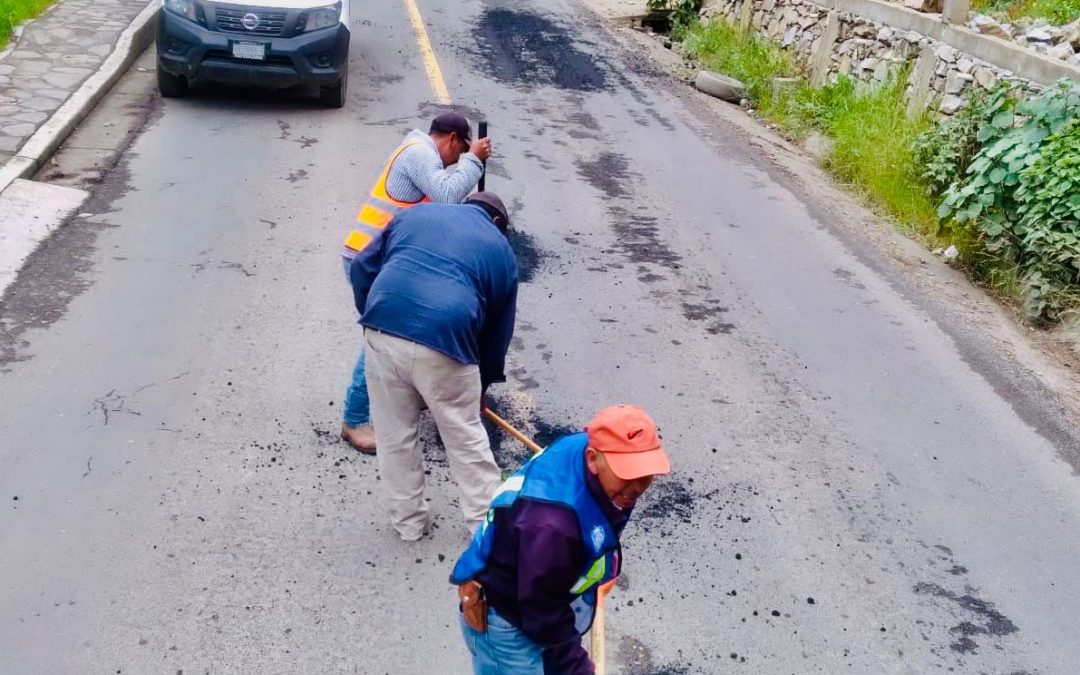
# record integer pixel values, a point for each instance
(39, 147)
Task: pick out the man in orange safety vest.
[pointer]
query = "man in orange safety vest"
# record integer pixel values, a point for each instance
(443, 165)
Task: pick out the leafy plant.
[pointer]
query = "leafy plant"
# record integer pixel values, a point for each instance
(945, 150)
(1009, 143)
(1049, 209)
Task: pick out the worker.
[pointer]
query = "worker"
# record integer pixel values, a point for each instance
(528, 582)
(416, 172)
(438, 315)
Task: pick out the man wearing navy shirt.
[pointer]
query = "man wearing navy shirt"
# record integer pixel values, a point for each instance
(528, 582)
(437, 295)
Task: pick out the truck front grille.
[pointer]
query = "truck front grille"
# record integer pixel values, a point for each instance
(265, 22)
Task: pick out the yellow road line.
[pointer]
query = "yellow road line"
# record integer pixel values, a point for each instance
(431, 64)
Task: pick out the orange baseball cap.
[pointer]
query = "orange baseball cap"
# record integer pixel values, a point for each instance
(627, 437)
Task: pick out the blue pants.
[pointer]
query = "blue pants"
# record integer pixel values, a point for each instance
(503, 649)
(357, 408)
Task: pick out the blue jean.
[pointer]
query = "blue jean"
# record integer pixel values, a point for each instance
(503, 649)
(357, 408)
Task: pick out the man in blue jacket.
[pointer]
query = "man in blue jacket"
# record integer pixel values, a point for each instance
(437, 293)
(528, 581)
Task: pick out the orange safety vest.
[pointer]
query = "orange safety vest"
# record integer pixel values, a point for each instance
(377, 211)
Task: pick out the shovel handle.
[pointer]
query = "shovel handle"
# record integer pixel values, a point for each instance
(509, 428)
(597, 648)
(482, 133)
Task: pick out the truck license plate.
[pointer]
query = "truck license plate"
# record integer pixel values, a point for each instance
(249, 50)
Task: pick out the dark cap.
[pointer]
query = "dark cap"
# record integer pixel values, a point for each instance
(452, 122)
(491, 202)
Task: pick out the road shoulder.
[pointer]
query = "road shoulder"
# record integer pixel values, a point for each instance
(1033, 369)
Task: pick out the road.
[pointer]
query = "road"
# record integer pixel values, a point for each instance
(859, 486)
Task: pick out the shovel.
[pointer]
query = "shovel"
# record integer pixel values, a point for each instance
(597, 650)
(509, 428)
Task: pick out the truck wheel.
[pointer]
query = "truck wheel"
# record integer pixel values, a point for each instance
(171, 86)
(334, 95)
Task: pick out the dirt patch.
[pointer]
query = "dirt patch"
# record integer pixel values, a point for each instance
(523, 48)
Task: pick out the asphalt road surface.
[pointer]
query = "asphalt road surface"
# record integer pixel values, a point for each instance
(858, 486)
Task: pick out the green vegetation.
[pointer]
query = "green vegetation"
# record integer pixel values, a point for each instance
(1057, 11)
(14, 12)
(1020, 193)
(683, 12)
(872, 136)
(751, 59)
(1000, 180)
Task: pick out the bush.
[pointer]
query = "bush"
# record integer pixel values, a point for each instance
(1018, 195)
(945, 150)
(1049, 225)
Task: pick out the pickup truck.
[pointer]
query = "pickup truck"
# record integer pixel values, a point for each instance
(273, 44)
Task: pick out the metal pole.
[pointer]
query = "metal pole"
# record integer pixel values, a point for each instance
(482, 133)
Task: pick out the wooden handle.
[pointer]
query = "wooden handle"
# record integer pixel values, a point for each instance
(508, 428)
(597, 650)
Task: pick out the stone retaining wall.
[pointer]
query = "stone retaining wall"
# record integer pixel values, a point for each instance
(830, 38)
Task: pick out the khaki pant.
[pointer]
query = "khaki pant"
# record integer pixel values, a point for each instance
(402, 375)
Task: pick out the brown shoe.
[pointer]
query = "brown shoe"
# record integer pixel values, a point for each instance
(361, 438)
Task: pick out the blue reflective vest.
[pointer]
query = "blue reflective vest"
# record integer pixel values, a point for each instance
(555, 475)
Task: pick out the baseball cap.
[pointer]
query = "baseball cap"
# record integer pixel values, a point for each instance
(627, 437)
(490, 199)
(452, 122)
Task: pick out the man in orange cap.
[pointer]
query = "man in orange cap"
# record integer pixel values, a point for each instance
(528, 581)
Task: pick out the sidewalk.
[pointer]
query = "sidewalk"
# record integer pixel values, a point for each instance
(55, 54)
(52, 74)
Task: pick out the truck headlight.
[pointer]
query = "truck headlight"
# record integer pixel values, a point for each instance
(323, 17)
(185, 8)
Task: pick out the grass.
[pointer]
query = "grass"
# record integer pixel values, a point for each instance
(745, 56)
(874, 148)
(871, 132)
(14, 12)
(1057, 11)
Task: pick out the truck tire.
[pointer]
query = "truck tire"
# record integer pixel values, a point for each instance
(171, 86)
(334, 95)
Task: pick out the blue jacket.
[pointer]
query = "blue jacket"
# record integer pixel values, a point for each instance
(444, 276)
